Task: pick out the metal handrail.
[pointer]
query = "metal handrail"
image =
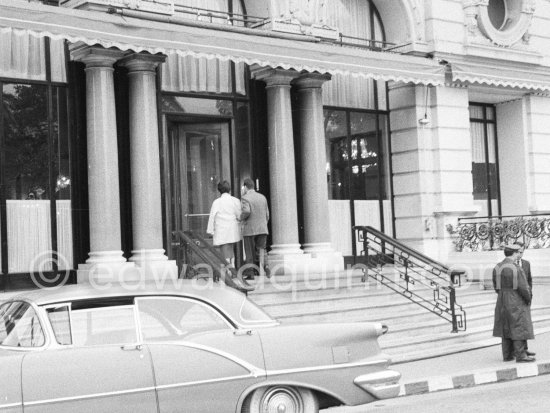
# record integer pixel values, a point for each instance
(415, 269)
(414, 253)
(189, 242)
(493, 217)
(370, 43)
(249, 22)
(208, 13)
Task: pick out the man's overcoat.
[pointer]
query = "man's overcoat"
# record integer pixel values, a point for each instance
(512, 314)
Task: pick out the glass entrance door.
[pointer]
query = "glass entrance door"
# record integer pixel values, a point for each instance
(199, 159)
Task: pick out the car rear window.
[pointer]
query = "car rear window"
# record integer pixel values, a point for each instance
(20, 326)
(171, 318)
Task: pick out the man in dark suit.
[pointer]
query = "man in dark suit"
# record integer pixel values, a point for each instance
(526, 267)
(512, 315)
(255, 215)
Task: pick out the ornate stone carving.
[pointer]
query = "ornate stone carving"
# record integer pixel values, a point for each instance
(304, 12)
(302, 16)
(480, 29)
(418, 18)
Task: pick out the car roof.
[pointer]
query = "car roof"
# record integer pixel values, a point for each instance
(227, 298)
(210, 291)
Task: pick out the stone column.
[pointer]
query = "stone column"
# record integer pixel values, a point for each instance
(314, 161)
(103, 181)
(145, 167)
(284, 217)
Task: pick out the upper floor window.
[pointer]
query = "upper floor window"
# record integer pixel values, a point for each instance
(497, 13)
(361, 25)
(484, 158)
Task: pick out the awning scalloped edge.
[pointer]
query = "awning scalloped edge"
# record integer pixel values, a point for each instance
(499, 82)
(224, 57)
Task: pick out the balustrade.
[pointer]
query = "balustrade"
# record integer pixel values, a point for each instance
(492, 233)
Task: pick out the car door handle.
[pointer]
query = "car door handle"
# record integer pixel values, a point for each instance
(132, 347)
(242, 332)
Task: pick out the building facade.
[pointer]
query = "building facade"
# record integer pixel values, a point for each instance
(118, 121)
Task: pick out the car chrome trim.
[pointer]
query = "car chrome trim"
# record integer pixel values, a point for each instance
(328, 367)
(196, 300)
(88, 396)
(51, 332)
(255, 371)
(247, 322)
(10, 405)
(208, 381)
(381, 384)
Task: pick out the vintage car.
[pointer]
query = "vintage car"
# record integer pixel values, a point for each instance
(185, 348)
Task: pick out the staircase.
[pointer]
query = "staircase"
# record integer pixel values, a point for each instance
(414, 333)
(430, 309)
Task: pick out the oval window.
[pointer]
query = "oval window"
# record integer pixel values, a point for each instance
(497, 13)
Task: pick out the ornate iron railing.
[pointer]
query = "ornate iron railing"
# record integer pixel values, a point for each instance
(492, 233)
(204, 15)
(416, 276)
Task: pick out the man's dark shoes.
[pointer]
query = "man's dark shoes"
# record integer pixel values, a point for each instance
(525, 359)
(509, 358)
(530, 353)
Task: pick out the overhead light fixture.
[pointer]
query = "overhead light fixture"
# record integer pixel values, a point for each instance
(425, 121)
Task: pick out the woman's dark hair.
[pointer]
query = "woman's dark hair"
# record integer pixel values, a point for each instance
(224, 187)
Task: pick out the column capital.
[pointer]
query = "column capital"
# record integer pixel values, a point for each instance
(311, 80)
(142, 62)
(274, 77)
(96, 56)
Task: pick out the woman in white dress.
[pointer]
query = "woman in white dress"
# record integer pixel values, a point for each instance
(223, 223)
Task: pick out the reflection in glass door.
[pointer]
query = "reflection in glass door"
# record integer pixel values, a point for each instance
(199, 159)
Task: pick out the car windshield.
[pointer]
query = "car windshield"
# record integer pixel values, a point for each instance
(19, 326)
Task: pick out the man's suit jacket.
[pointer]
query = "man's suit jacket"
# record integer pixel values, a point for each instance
(526, 267)
(255, 213)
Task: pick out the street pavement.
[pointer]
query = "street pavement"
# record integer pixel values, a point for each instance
(520, 396)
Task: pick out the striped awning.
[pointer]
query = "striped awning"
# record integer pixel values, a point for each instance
(242, 45)
(522, 76)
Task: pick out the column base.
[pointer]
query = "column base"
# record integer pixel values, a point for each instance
(105, 267)
(147, 255)
(304, 264)
(154, 265)
(286, 249)
(318, 248)
(103, 273)
(105, 257)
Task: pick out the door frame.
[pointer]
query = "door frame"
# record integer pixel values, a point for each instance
(167, 191)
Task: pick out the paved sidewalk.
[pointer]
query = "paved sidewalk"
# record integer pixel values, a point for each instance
(471, 368)
(480, 366)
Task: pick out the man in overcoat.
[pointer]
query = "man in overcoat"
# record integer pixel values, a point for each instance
(526, 267)
(512, 313)
(254, 217)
